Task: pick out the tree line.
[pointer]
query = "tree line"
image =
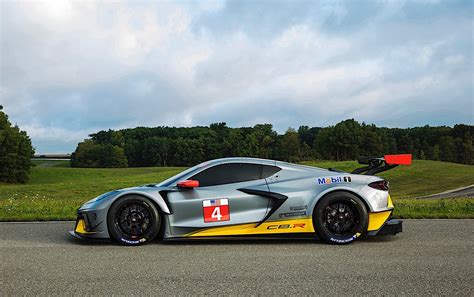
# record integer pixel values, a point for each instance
(15, 152)
(347, 140)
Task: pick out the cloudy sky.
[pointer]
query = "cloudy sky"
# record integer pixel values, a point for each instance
(69, 69)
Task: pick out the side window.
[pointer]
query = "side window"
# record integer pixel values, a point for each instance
(228, 173)
(269, 170)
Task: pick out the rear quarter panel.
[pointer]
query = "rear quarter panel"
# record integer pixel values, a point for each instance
(304, 187)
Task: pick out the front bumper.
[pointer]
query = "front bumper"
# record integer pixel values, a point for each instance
(89, 225)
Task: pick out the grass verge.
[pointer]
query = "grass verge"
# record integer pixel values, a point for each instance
(55, 191)
(447, 208)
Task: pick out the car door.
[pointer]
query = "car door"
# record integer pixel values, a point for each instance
(218, 200)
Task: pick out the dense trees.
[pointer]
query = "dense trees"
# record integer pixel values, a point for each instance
(347, 140)
(92, 154)
(15, 152)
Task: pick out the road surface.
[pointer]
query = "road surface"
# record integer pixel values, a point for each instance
(461, 192)
(429, 257)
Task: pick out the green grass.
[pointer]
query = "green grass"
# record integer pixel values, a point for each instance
(447, 208)
(55, 192)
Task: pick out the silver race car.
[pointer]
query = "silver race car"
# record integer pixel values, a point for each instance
(237, 197)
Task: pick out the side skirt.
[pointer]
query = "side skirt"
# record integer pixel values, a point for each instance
(286, 236)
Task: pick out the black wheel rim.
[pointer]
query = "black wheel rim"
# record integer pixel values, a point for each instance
(133, 219)
(341, 218)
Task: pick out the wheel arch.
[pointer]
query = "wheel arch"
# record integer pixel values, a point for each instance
(331, 237)
(158, 202)
(323, 195)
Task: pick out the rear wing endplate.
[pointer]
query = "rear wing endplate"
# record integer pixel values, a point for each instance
(379, 164)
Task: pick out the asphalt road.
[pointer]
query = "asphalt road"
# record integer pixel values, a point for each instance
(429, 257)
(461, 192)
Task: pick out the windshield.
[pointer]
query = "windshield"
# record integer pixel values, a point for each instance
(172, 180)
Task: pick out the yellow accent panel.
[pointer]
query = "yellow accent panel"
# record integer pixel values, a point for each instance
(274, 227)
(81, 227)
(390, 203)
(377, 219)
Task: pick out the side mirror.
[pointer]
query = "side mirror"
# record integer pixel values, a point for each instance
(188, 184)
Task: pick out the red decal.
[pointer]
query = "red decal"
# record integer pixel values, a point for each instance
(398, 159)
(216, 210)
(299, 225)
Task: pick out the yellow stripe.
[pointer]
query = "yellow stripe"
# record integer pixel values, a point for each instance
(377, 219)
(275, 227)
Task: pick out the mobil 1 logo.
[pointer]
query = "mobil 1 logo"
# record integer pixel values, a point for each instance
(334, 180)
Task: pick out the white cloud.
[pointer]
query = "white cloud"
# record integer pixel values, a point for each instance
(71, 67)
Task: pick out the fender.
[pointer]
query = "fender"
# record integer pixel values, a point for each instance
(158, 200)
(339, 189)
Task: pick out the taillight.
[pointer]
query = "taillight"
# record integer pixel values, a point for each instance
(380, 185)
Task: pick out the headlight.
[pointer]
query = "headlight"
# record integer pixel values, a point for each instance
(101, 197)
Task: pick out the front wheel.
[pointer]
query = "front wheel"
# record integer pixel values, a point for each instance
(133, 220)
(340, 218)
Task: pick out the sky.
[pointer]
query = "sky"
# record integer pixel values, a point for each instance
(69, 69)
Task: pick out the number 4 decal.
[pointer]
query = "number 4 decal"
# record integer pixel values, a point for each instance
(216, 210)
(216, 213)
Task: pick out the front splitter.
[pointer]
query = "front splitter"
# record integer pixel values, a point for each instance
(86, 238)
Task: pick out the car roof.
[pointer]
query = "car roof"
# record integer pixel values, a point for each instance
(203, 166)
(240, 160)
(258, 161)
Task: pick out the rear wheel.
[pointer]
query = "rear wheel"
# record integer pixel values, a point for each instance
(133, 220)
(340, 218)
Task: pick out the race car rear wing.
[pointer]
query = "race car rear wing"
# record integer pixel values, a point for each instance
(380, 164)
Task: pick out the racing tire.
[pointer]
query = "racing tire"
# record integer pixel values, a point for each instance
(133, 220)
(340, 218)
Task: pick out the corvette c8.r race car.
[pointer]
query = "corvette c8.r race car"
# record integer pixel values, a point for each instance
(248, 197)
